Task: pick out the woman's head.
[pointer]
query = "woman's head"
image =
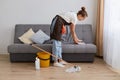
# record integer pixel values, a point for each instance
(82, 14)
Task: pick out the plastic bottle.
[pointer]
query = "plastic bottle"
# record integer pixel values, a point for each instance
(37, 63)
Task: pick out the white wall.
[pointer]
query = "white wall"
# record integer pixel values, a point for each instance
(37, 12)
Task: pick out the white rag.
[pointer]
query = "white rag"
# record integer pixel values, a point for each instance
(73, 69)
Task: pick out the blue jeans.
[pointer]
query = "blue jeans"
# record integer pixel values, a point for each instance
(57, 49)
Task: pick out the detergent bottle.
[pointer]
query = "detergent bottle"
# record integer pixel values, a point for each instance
(37, 63)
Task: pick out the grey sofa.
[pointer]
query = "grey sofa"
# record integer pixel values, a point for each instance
(71, 52)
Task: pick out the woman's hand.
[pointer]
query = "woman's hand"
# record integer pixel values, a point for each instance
(74, 36)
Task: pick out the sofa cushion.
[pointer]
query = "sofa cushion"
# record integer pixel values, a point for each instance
(84, 32)
(22, 28)
(25, 38)
(25, 48)
(39, 37)
(67, 48)
(81, 48)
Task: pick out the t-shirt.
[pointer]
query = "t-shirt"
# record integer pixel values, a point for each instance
(69, 17)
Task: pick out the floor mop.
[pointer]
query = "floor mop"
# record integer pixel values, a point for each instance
(74, 68)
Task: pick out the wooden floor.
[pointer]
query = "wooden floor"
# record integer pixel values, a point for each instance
(25, 71)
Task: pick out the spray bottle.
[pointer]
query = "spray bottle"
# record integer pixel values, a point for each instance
(37, 63)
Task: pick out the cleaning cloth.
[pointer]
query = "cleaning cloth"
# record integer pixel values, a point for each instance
(73, 69)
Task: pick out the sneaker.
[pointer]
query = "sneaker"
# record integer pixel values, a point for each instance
(63, 62)
(58, 64)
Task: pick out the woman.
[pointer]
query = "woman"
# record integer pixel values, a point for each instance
(58, 28)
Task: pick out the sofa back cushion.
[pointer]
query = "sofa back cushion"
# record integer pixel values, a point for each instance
(20, 29)
(83, 31)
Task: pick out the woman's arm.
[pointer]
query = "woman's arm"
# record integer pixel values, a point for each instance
(75, 38)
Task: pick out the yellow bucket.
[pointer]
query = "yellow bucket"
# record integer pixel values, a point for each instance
(44, 59)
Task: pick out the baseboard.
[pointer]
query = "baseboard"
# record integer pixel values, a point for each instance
(1, 53)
